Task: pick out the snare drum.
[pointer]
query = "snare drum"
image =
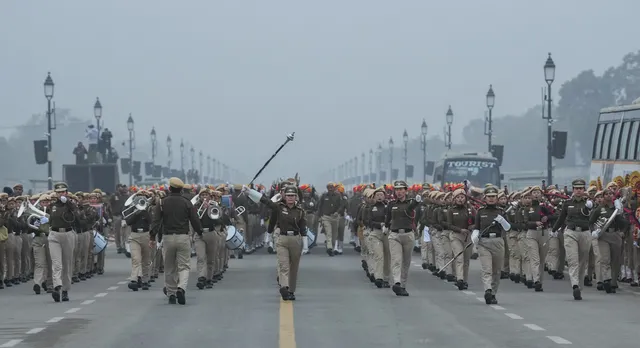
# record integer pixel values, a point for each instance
(99, 243)
(235, 239)
(311, 238)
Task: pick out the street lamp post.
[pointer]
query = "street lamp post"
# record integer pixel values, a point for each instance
(449, 123)
(130, 128)
(97, 113)
(488, 122)
(405, 139)
(192, 151)
(48, 93)
(201, 166)
(379, 161)
(390, 158)
(423, 130)
(362, 166)
(154, 143)
(549, 76)
(209, 170)
(182, 158)
(370, 165)
(169, 151)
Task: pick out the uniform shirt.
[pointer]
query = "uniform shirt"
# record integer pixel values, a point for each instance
(376, 215)
(140, 220)
(117, 203)
(89, 218)
(224, 220)
(485, 220)
(459, 217)
(290, 219)
(399, 214)
(64, 215)
(574, 214)
(330, 203)
(606, 210)
(173, 215)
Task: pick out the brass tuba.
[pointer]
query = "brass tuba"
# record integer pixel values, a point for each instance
(35, 214)
(134, 204)
(214, 212)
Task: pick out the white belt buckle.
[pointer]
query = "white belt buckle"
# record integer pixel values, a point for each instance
(401, 230)
(140, 230)
(492, 235)
(205, 230)
(290, 233)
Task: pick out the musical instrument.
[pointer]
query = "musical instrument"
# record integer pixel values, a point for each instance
(312, 238)
(277, 198)
(35, 214)
(227, 201)
(214, 212)
(134, 204)
(235, 239)
(240, 210)
(99, 243)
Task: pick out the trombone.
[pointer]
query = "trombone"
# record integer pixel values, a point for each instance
(134, 204)
(35, 214)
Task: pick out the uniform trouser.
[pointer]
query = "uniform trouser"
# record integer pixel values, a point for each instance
(117, 231)
(241, 227)
(276, 235)
(381, 254)
(3, 258)
(610, 248)
(289, 250)
(342, 225)
(79, 253)
(176, 249)
(206, 254)
(140, 256)
(88, 252)
(42, 257)
(13, 256)
(400, 249)
(27, 265)
(507, 252)
(253, 230)
(536, 244)
(461, 263)
(330, 226)
(597, 264)
(447, 252)
(515, 257)
(576, 246)
(631, 261)
(524, 251)
(124, 235)
(221, 249)
(61, 247)
(426, 249)
(491, 254)
(437, 248)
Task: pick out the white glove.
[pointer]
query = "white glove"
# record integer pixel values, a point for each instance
(159, 245)
(36, 223)
(110, 220)
(595, 234)
(475, 236)
(618, 204)
(104, 221)
(553, 234)
(385, 230)
(418, 198)
(123, 223)
(589, 204)
(261, 222)
(63, 199)
(503, 222)
(44, 220)
(254, 195)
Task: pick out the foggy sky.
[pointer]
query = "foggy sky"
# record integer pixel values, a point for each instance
(234, 77)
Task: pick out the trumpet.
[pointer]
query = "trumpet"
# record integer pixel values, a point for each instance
(240, 210)
(277, 198)
(134, 204)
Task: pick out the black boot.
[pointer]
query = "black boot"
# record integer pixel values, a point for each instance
(181, 296)
(56, 293)
(577, 295)
(36, 289)
(65, 296)
(201, 283)
(133, 285)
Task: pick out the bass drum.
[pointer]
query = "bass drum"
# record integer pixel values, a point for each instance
(311, 238)
(235, 239)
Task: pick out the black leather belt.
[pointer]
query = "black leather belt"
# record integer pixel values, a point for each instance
(289, 233)
(577, 228)
(139, 230)
(402, 230)
(61, 229)
(172, 233)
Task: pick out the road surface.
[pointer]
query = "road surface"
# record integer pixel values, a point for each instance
(336, 307)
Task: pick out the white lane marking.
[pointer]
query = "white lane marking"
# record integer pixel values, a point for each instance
(496, 307)
(480, 299)
(102, 294)
(11, 343)
(122, 283)
(513, 316)
(534, 327)
(636, 293)
(34, 330)
(468, 292)
(559, 340)
(88, 302)
(55, 319)
(112, 288)
(73, 310)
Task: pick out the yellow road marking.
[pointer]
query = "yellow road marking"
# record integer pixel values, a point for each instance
(287, 331)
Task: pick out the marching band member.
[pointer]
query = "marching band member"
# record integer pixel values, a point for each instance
(139, 245)
(536, 217)
(62, 240)
(445, 238)
(577, 241)
(42, 272)
(490, 221)
(376, 214)
(362, 222)
(398, 221)
(293, 227)
(157, 261)
(4, 236)
(221, 254)
(609, 240)
(209, 244)
(460, 217)
(516, 267)
(84, 229)
(173, 215)
(329, 209)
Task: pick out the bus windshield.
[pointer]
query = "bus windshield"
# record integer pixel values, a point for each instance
(478, 172)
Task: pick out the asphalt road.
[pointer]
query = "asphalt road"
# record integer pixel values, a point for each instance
(336, 307)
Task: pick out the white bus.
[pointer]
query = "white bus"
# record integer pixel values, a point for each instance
(479, 168)
(616, 147)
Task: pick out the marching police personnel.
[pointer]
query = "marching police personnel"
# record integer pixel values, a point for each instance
(62, 241)
(577, 238)
(171, 220)
(380, 268)
(399, 221)
(293, 227)
(490, 221)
